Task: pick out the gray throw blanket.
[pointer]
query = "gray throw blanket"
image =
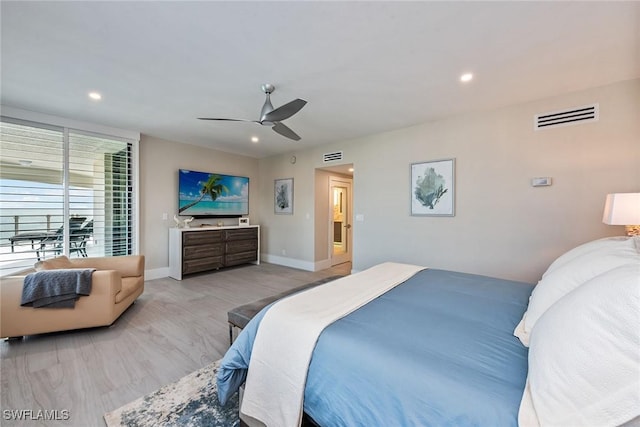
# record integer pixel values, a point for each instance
(56, 288)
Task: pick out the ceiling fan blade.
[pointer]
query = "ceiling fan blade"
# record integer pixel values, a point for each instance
(285, 131)
(226, 120)
(284, 112)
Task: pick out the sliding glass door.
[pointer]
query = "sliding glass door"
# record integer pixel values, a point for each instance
(63, 191)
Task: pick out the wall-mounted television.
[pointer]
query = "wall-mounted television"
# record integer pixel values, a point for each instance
(209, 195)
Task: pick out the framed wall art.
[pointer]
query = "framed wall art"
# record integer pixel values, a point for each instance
(283, 196)
(433, 188)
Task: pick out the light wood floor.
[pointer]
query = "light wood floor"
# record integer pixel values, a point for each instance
(174, 328)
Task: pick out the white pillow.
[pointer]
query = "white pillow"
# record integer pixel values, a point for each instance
(594, 245)
(584, 359)
(572, 270)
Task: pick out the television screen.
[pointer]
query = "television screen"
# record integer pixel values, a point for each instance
(203, 194)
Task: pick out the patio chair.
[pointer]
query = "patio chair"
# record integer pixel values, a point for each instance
(54, 242)
(78, 239)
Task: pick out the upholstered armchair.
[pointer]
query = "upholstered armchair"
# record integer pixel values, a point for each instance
(116, 284)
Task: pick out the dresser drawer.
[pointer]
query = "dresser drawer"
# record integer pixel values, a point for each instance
(241, 246)
(242, 234)
(240, 258)
(204, 251)
(190, 238)
(202, 264)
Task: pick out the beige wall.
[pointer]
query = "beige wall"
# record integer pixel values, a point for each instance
(159, 164)
(503, 227)
(288, 239)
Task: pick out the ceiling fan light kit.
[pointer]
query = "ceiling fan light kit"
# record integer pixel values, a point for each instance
(273, 117)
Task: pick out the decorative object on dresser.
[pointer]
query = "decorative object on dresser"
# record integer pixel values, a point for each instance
(182, 223)
(203, 249)
(243, 222)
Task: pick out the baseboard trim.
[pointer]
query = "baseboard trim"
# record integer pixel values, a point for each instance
(160, 273)
(296, 263)
(288, 262)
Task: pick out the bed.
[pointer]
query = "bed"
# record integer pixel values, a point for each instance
(447, 348)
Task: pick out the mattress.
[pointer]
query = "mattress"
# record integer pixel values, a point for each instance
(436, 350)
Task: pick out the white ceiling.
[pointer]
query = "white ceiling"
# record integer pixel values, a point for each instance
(363, 67)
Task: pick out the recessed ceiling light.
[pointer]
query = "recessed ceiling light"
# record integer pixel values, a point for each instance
(254, 139)
(467, 77)
(351, 169)
(95, 96)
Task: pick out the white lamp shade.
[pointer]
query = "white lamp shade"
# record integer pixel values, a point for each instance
(622, 209)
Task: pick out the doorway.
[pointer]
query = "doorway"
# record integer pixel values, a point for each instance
(340, 218)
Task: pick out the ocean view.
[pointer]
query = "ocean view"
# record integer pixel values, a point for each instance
(216, 208)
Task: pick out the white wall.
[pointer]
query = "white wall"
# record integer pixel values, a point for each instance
(503, 227)
(159, 164)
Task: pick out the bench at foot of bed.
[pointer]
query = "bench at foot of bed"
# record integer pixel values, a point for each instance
(240, 316)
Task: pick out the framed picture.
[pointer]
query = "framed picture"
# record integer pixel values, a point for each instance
(433, 188)
(283, 196)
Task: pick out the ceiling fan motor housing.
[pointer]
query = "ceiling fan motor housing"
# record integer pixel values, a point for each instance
(268, 88)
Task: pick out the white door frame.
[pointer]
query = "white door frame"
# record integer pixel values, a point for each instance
(338, 181)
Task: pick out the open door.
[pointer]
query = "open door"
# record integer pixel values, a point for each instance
(340, 215)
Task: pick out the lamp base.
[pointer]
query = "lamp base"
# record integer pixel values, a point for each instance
(632, 230)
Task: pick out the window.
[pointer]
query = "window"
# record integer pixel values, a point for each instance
(53, 176)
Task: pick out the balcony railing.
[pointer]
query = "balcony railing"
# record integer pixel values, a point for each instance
(26, 238)
(13, 227)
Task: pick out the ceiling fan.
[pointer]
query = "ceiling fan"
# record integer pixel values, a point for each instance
(273, 117)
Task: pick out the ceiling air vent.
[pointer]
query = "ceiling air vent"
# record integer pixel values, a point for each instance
(573, 116)
(332, 157)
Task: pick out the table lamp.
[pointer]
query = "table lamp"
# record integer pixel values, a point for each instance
(623, 209)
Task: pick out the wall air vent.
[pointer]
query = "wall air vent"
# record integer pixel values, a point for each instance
(332, 157)
(572, 116)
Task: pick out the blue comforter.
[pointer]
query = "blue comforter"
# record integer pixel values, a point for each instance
(436, 350)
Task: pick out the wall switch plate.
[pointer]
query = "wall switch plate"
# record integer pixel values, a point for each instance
(543, 181)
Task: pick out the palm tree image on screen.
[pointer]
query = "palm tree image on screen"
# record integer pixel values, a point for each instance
(212, 187)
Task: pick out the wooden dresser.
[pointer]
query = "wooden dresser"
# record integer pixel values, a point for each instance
(194, 250)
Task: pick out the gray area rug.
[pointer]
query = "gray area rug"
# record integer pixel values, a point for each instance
(190, 401)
